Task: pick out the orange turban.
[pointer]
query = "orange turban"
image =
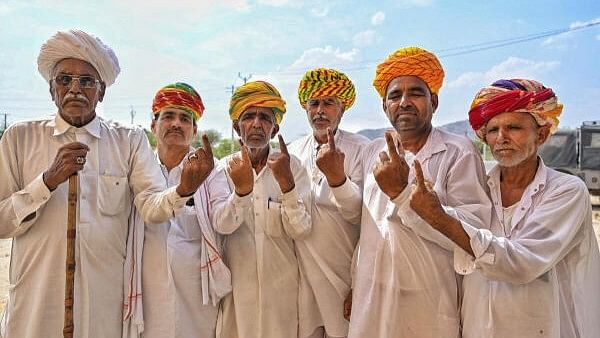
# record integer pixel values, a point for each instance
(409, 61)
(515, 95)
(256, 94)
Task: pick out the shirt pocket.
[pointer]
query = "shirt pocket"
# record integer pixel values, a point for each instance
(113, 194)
(274, 226)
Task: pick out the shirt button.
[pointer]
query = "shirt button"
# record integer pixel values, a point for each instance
(83, 197)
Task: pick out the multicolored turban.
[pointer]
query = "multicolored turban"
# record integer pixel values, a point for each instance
(181, 96)
(516, 95)
(326, 82)
(413, 61)
(256, 94)
(76, 44)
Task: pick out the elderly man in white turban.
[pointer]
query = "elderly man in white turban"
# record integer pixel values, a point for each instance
(116, 173)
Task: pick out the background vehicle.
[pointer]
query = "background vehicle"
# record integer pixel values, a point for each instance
(576, 152)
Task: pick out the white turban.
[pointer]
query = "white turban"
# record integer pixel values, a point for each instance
(76, 44)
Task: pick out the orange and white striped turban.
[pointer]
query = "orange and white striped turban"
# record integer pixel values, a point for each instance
(518, 96)
(322, 82)
(413, 61)
(256, 94)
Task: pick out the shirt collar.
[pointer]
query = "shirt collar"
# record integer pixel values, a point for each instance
(336, 138)
(539, 180)
(433, 145)
(61, 126)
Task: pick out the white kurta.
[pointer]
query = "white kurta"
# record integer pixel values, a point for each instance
(261, 257)
(405, 282)
(325, 255)
(119, 168)
(539, 274)
(173, 304)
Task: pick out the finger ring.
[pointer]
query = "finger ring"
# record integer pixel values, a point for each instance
(192, 156)
(80, 160)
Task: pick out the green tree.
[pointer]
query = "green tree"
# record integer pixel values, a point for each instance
(214, 137)
(151, 138)
(224, 148)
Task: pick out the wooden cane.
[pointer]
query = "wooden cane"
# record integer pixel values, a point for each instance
(70, 260)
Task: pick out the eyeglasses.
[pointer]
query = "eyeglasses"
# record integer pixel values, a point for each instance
(85, 81)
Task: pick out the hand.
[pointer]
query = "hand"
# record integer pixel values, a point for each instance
(331, 162)
(69, 159)
(348, 306)
(240, 171)
(391, 171)
(196, 168)
(279, 164)
(423, 199)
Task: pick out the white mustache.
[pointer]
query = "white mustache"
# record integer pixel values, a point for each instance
(75, 98)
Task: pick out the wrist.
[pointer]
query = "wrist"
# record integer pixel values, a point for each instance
(50, 186)
(287, 187)
(243, 193)
(336, 182)
(181, 193)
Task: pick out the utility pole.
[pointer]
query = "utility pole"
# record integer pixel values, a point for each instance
(5, 124)
(244, 78)
(131, 113)
(231, 89)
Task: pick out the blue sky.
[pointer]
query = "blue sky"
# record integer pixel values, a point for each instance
(206, 44)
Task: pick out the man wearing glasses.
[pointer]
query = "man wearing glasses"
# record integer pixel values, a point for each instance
(332, 157)
(116, 173)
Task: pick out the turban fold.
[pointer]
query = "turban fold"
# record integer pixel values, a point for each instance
(516, 95)
(181, 96)
(413, 61)
(257, 94)
(326, 82)
(77, 44)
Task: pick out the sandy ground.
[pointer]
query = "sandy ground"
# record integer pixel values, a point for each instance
(5, 245)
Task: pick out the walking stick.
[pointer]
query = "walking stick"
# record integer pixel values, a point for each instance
(70, 260)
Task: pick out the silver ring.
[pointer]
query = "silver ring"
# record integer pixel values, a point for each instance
(192, 156)
(80, 160)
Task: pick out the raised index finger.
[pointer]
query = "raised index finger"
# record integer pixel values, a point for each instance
(330, 139)
(392, 151)
(282, 145)
(419, 175)
(245, 154)
(206, 146)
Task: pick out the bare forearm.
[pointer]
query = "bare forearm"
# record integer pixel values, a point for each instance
(452, 228)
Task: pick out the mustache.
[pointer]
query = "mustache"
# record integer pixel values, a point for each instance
(77, 97)
(175, 130)
(320, 117)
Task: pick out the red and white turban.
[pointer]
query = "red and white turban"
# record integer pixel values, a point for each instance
(515, 95)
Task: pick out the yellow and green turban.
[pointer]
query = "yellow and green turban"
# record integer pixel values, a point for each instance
(178, 95)
(256, 94)
(322, 82)
(413, 61)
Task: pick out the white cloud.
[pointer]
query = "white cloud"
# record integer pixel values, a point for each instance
(513, 67)
(560, 40)
(319, 12)
(366, 38)
(324, 57)
(579, 24)
(275, 3)
(378, 18)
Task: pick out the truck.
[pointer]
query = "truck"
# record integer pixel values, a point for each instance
(576, 152)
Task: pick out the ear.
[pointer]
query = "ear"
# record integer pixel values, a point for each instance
(51, 89)
(275, 130)
(102, 91)
(434, 101)
(236, 127)
(153, 126)
(543, 134)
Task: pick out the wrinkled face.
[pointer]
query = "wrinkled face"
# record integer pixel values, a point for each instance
(409, 105)
(514, 138)
(324, 112)
(174, 128)
(256, 126)
(76, 89)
